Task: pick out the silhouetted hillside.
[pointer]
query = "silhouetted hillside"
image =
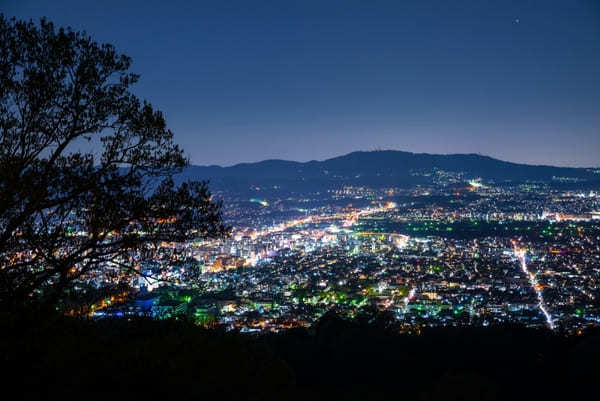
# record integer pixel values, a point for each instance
(52, 357)
(382, 168)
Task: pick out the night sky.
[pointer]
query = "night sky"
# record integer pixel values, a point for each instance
(251, 80)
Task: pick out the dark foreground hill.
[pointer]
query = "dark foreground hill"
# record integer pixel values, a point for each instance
(53, 357)
(383, 168)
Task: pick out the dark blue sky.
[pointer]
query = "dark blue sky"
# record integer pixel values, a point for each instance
(300, 80)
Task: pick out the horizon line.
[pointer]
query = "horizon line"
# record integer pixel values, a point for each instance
(386, 150)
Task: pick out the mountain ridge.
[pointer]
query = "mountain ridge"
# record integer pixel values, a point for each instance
(382, 168)
(390, 151)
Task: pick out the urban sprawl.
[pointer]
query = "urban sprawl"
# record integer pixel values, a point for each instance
(458, 252)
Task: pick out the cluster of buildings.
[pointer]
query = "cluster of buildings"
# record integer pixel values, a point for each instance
(468, 254)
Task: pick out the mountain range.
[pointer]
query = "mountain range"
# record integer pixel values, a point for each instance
(387, 168)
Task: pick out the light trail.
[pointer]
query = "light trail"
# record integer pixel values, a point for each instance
(350, 219)
(521, 253)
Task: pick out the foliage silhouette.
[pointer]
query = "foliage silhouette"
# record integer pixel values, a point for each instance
(86, 188)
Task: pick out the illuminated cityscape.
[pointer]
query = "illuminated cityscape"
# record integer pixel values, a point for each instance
(450, 254)
(300, 200)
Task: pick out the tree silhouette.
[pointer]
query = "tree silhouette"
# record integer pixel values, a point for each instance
(72, 218)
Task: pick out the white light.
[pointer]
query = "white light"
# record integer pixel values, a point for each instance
(520, 253)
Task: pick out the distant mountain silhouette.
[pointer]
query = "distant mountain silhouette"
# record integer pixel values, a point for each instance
(382, 169)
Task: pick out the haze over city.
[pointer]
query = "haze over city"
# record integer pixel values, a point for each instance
(243, 81)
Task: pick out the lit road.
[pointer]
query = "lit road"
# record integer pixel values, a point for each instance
(521, 255)
(349, 218)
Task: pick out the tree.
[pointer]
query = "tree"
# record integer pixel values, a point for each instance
(71, 218)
